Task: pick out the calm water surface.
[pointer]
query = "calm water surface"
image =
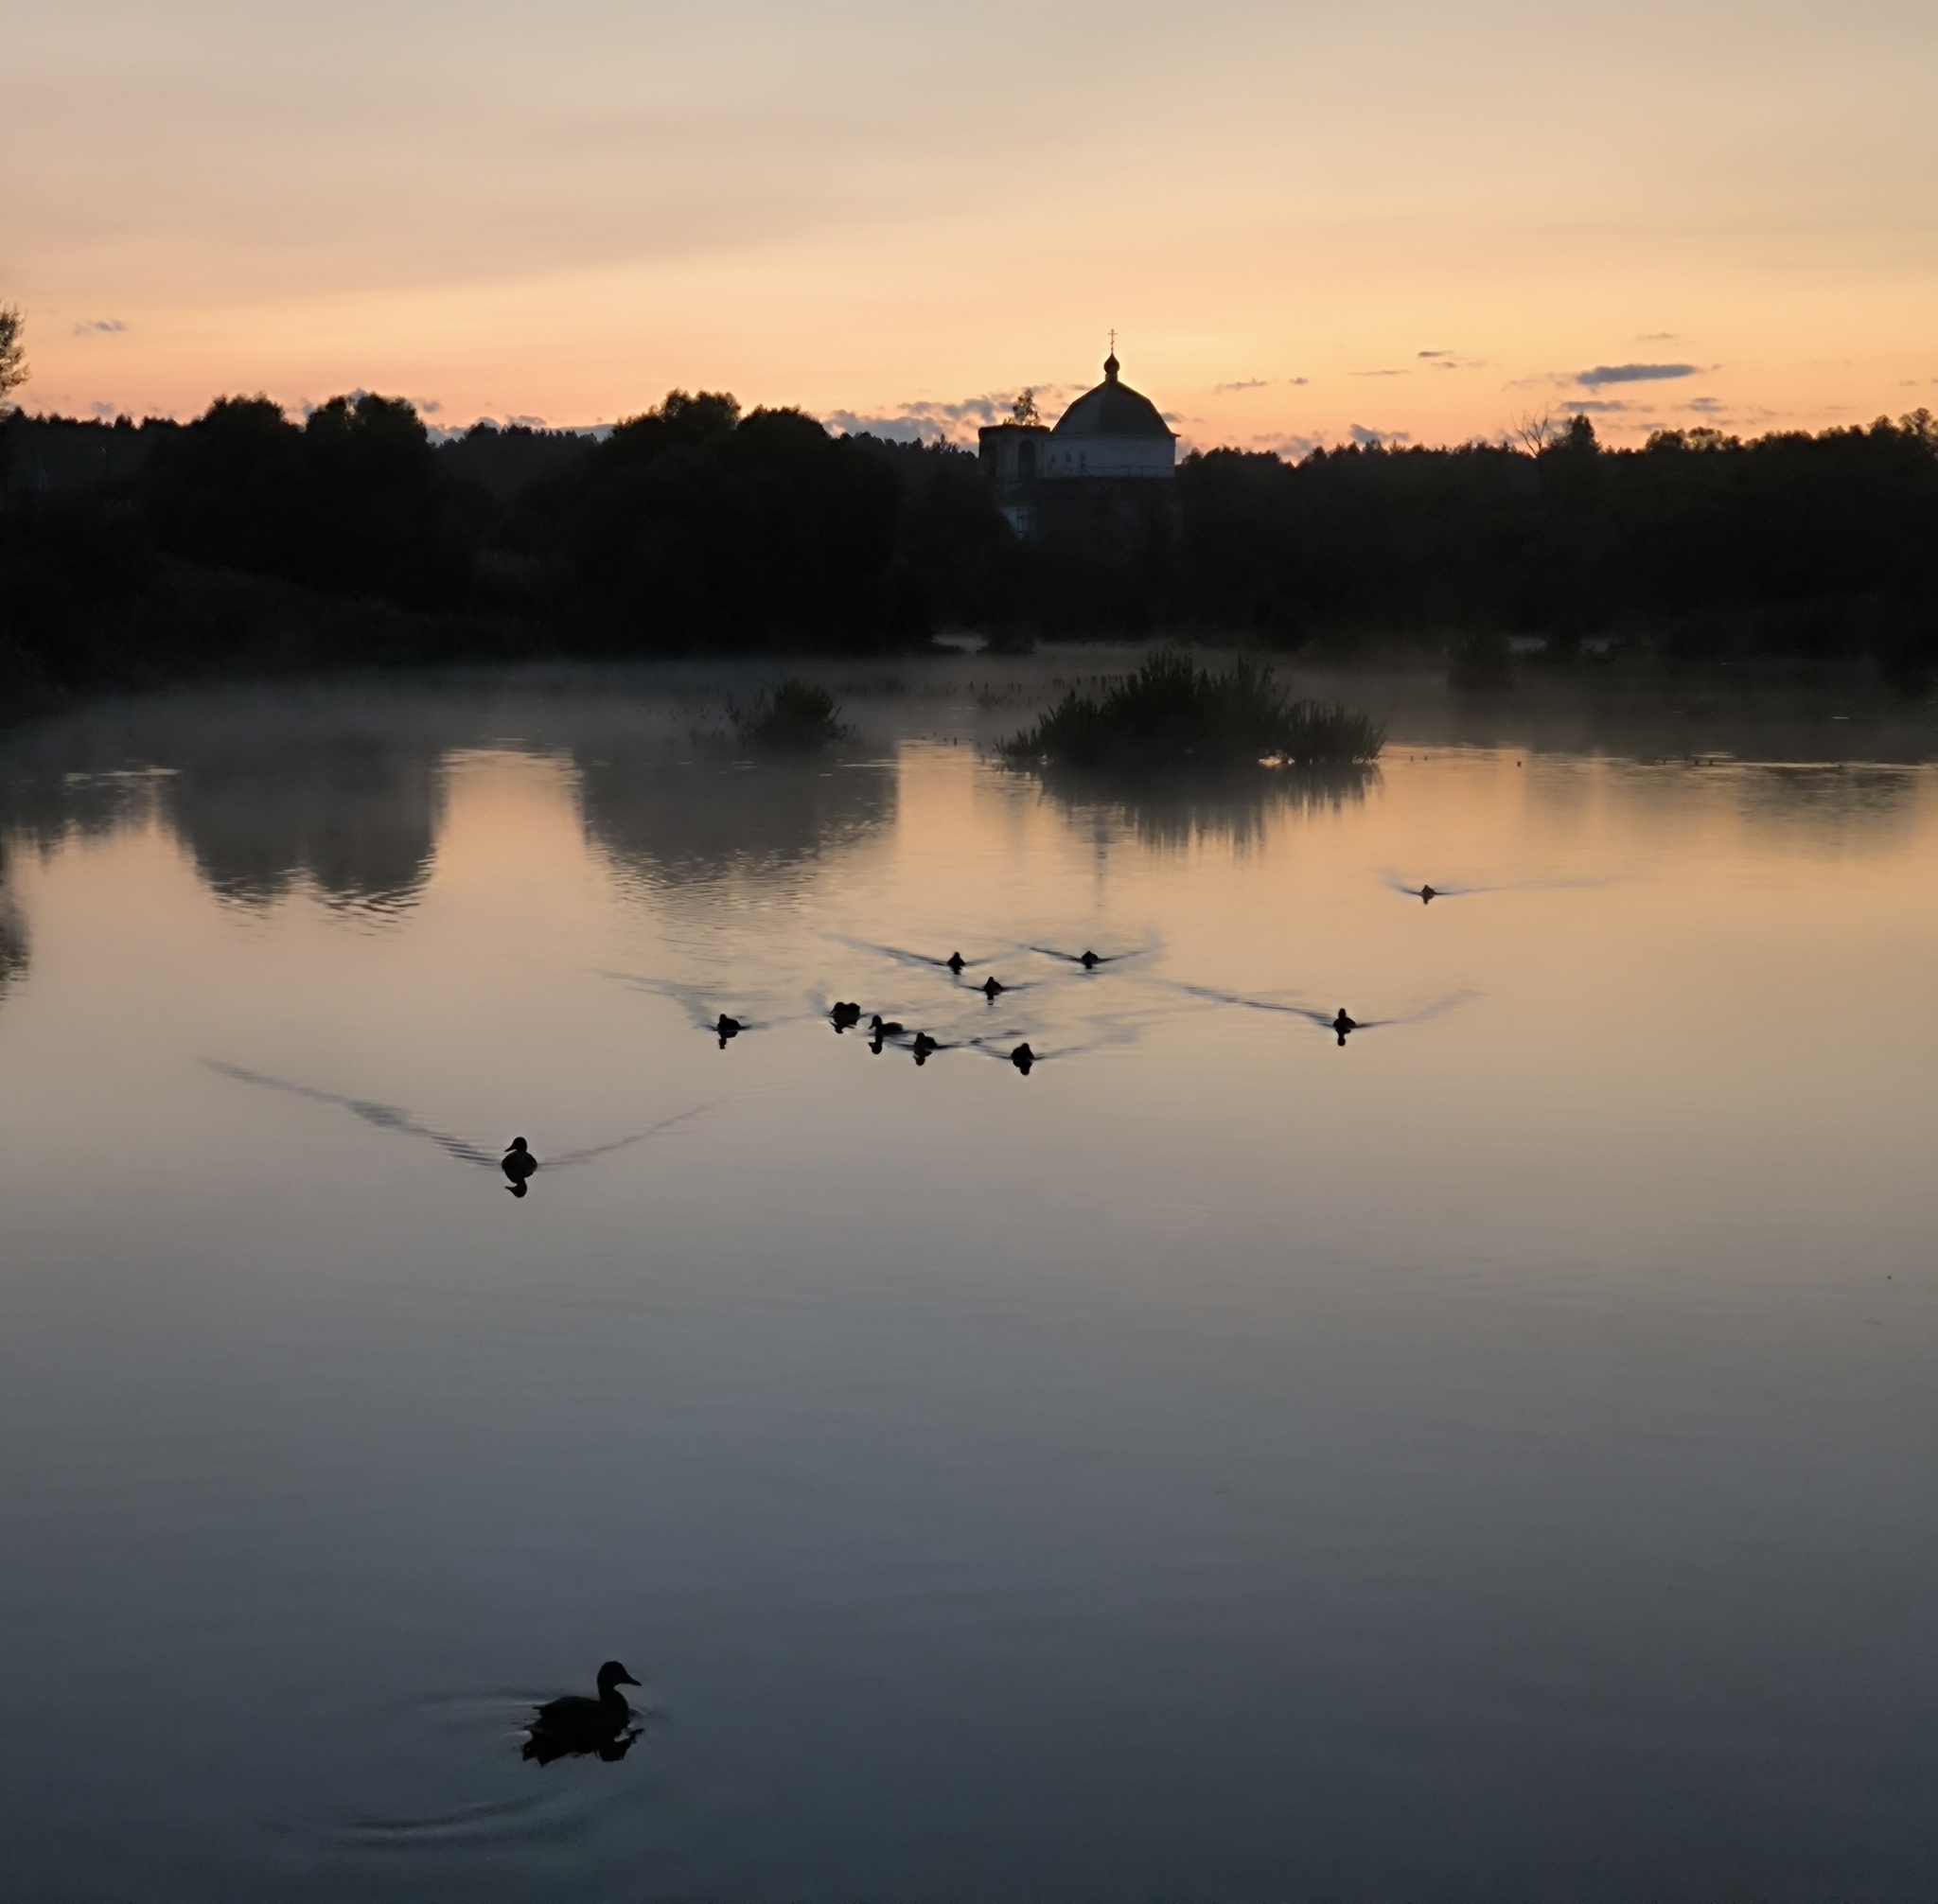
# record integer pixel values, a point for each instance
(1495, 1459)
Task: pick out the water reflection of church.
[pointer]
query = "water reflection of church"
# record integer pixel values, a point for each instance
(1102, 474)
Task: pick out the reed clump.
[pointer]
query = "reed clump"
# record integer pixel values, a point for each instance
(1173, 713)
(797, 717)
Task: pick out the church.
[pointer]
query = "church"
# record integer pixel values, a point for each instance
(1102, 475)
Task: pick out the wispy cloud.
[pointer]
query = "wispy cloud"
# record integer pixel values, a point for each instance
(948, 422)
(1244, 383)
(1377, 439)
(99, 327)
(1660, 336)
(1433, 353)
(1703, 406)
(1376, 373)
(1632, 372)
(1604, 406)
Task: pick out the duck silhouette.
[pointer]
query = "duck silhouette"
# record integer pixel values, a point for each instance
(1343, 1024)
(1023, 1057)
(726, 1028)
(845, 1014)
(1427, 896)
(567, 1727)
(923, 1045)
(954, 961)
(883, 1028)
(1090, 960)
(517, 1164)
(992, 988)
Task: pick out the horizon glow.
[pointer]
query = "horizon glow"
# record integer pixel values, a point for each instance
(1307, 225)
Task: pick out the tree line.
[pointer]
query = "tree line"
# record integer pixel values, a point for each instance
(249, 541)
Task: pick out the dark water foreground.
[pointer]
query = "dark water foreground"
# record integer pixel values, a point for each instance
(1489, 1459)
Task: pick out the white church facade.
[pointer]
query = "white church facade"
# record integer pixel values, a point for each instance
(1094, 473)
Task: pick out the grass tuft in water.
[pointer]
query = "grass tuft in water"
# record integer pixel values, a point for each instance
(1171, 714)
(799, 718)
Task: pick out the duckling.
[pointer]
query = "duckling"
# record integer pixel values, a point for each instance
(954, 961)
(575, 1723)
(1089, 960)
(517, 1164)
(990, 987)
(728, 1028)
(846, 1014)
(1344, 1024)
(923, 1045)
(883, 1028)
(1427, 896)
(1023, 1057)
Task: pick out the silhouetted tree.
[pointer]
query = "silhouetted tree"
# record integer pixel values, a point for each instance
(693, 527)
(13, 370)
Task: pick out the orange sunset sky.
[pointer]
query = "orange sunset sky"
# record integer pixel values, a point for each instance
(1306, 222)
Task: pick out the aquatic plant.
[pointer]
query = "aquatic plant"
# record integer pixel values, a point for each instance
(799, 718)
(1171, 712)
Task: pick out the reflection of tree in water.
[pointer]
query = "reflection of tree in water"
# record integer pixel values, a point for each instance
(675, 825)
(1171, 811)
(13, 943)
(265, 792)
(1830, 806)
(357, 817)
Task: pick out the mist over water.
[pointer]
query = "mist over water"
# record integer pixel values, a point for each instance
(1487, 1455)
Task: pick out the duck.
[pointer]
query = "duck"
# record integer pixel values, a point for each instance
(1023, 1057)
(923, 1046)
(954, 961)
(517, 1164)
(728, 1028)
(846, 1014)
(1427, 896)
(1344, 1024)
(1089, 960)
(575, 1723)
(883, 1028)
(990, 987)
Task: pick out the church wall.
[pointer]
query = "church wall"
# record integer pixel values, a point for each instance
(1134, 456)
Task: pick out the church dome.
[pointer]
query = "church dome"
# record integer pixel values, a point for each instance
(1113, 409)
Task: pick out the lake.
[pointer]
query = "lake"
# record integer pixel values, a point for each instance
(1489, 1456)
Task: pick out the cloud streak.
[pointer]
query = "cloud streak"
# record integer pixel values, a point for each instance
(1632, 372)
(99, 327)
(928, 421)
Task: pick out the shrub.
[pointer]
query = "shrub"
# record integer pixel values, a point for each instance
(1173, 712)
(801, 718)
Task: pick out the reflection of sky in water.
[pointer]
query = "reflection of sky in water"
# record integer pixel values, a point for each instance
(1492, 1458)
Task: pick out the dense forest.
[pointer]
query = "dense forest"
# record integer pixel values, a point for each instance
(246, 541)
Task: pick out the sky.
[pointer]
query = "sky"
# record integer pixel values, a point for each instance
(1413, 221)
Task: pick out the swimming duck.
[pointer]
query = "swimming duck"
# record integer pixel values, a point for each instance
(517, 1164)
(575, 1723)
(954, 961)
(990, 987)
(1023, 1057)
(883, 1028)
(1089, 960)
(1427, 896)
(1344, 1024)
(845, 1014)
(728, 1028)
(923, 1045)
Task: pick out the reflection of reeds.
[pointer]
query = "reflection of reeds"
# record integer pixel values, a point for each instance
(1168, 811)
(1173, 713)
